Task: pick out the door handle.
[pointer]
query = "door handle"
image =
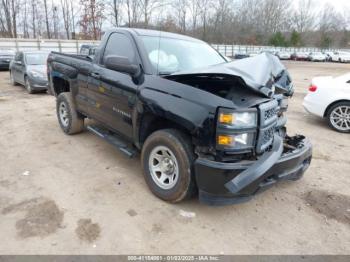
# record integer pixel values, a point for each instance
(96, 75)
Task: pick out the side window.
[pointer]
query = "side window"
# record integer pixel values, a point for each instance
(119, 45)
(18, 57)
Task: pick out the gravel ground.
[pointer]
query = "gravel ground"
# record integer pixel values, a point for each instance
(78, 195)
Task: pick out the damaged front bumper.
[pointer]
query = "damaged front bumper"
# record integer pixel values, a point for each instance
(230, 183)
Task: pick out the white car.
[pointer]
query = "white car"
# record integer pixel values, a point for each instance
(342, 57)
(283, 55)
(317, 57)
(329, 97)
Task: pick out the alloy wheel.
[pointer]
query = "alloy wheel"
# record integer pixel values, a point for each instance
(28, 86)
(340, 118)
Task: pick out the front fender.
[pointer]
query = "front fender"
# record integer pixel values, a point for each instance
(196, 119)
(189, 107)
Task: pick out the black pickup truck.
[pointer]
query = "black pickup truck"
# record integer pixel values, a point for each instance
(202, 124)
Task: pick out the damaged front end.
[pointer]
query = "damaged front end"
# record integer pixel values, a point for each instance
(252, 149)
(229, 183)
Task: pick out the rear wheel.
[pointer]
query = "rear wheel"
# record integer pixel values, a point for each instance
(28, 86)
(167, 159)
(339, 117)
(69, 119)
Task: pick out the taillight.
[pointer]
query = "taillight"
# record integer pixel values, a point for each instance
(313, 88)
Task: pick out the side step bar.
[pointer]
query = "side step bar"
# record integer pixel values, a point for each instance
(113, 139)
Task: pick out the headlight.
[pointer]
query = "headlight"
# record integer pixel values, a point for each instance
(36, 74)
(238, 120)
(236, 141)
(236, 130)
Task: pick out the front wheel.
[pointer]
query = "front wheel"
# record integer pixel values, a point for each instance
(28, 86)
(167, 159)
(339, 117)
(69, 119)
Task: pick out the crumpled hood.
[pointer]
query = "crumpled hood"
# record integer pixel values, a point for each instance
(263, 73)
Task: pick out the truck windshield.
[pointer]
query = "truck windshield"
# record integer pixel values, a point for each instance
(36, 58)
(169, 55)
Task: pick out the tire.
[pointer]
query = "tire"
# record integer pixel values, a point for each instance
(12, 79)
(48, 91)
(339, 112)
(28, 86)
(69, 119)
(179, 150)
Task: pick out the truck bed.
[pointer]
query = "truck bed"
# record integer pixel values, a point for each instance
(82, 57)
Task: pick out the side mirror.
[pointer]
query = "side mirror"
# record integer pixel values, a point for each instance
(121, 64)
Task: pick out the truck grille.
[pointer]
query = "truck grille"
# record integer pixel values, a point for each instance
(268, 122)
(270, 113)
(268, 135)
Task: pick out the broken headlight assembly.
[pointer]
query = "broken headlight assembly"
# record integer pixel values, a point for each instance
(236, 130)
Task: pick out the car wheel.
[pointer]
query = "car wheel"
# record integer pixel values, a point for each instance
(69, 119)
(28, 86)
(12, 79)
(339, 117)
(167, 158)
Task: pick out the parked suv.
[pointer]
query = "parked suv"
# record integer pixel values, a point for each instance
(201, 124)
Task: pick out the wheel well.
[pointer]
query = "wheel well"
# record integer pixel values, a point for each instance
(150, 124)
(60, 85)
(330, 106)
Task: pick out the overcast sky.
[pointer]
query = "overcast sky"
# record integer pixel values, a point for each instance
(338, 4)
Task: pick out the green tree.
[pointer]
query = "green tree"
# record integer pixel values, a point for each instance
(278, 39)
(295, 39)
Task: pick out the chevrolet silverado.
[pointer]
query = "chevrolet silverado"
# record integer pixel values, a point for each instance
(203, 125)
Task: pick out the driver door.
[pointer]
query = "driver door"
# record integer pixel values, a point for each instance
(113, 93)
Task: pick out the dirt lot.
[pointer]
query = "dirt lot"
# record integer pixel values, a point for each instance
(78, 195)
